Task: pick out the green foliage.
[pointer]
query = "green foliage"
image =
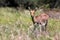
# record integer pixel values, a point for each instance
(36, 3)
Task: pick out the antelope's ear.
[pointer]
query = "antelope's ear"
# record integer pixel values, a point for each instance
(29, 9)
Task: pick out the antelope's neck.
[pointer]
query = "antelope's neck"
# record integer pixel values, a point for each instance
(32, 17)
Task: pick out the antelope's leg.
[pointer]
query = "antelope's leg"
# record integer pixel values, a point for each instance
(46, 22)
(35, 26)
(43, 26)
(40, 27)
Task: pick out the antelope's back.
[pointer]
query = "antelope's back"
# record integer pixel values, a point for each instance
(44, 16)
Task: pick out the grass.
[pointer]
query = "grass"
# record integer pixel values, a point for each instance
(14, 25)
(53, 26)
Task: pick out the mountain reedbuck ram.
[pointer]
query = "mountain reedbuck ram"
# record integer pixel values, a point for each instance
(41, 20)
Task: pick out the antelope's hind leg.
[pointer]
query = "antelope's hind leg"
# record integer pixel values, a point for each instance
(44, 26)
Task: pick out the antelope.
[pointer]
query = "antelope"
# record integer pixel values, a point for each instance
(41, 20)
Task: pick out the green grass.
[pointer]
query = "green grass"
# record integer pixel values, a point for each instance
(15, 24)
(53, 26)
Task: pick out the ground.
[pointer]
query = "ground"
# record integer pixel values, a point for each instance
(17, 25)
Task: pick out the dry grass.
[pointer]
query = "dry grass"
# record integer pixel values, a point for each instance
(17, 25)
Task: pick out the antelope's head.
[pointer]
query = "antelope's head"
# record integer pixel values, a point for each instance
(32, 12)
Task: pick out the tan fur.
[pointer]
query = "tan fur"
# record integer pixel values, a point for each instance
(40, 19)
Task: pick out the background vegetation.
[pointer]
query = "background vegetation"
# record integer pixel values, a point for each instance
(31, 3)
(17, 25)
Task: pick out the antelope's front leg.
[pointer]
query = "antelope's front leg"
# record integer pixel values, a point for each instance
(35, 26)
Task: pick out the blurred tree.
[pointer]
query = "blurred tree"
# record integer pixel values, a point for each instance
(57, 4)
(31, 3)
